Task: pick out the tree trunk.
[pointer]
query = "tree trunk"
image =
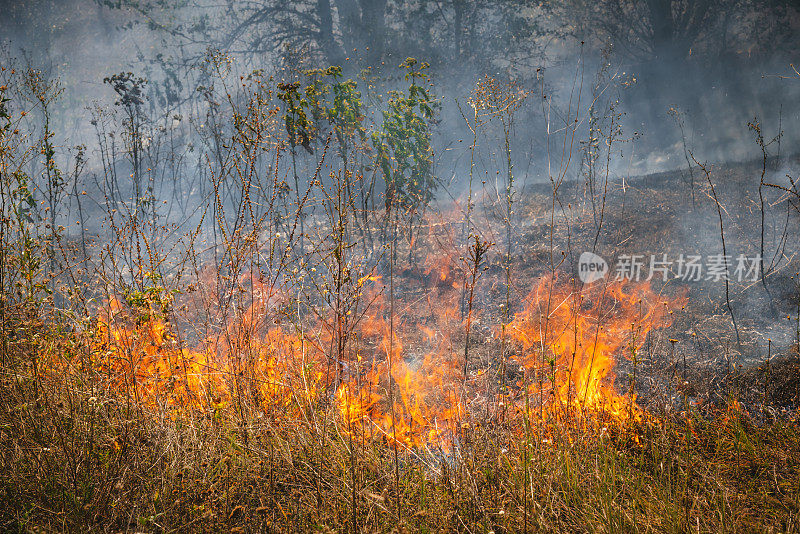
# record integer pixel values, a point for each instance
(333, 53)
(373, 21)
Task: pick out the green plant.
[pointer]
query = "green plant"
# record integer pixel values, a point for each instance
(403, 147)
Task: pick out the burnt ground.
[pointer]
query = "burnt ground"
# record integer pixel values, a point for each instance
(675, 213)
(704, 356)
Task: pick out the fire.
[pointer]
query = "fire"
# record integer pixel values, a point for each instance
(569, 337)
(415, 405)
(144, 360)
(407, 382)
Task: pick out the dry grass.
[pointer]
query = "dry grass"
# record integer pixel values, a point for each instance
(302, 298)
(75, 457)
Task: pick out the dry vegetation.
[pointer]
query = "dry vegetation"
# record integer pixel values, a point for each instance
(317, 348)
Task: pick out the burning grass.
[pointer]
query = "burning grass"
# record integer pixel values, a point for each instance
(122, 427)
(406, 405)
(411, 384)
(75, 459)
(335, 355)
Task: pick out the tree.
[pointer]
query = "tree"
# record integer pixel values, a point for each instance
(330, 30)
(673, 30)
(353, 33)
(486, 34)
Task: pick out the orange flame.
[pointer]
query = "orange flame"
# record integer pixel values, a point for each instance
(569, 337)
(409, 385)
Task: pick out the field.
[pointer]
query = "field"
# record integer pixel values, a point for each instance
(299, 326)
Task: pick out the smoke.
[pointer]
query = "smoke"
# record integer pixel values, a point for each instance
(82, 41)
(593, 113)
